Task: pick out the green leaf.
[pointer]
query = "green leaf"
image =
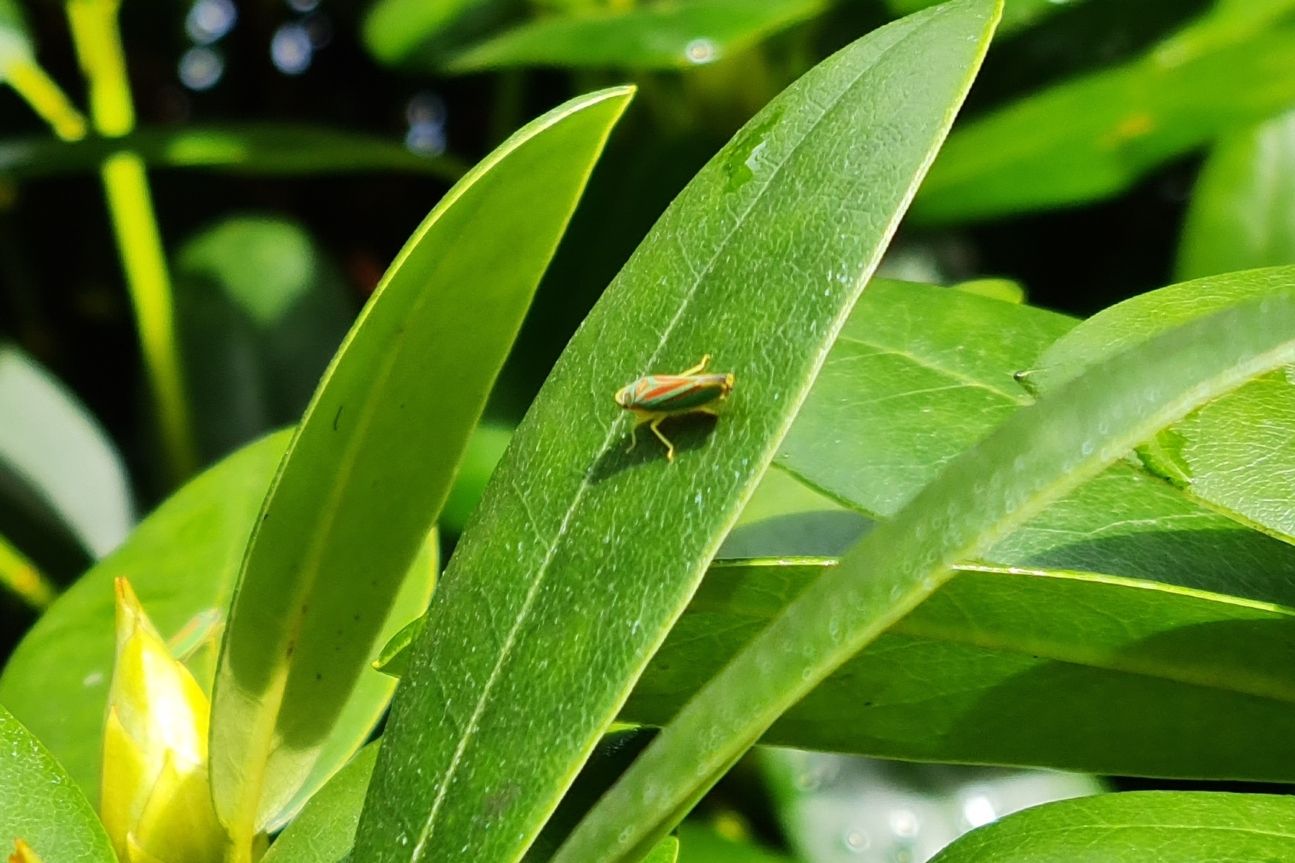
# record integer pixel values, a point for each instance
(181, 562)
(787, 518)
(919, 374)
(260, 311)
(58, 454)
(246, 148)
(397, 31)
(1242, 213)
(324, 830)
(1168, 827)
(374, 457)
(1038, 454)
(666, 851)
(843, 808)
(1236, 454)
(783, 518)
(39, 805)
(1092, 137)
(582, 554)
(670, 35)
(1067, 670)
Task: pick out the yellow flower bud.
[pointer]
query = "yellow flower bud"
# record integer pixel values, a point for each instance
(22, 853)
(155, 801)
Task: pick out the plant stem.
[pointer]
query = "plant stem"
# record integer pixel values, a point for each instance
(40, 91)
(139, 242)
(21, 577)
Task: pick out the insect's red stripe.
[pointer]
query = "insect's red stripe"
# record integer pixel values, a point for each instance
(660, 390)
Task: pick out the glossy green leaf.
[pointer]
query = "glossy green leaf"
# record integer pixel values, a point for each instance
(324, 830)
(1037, 455)
(917, 375)
(1237, 454)
(920, 373)
(1094, 136)
(374, 457)
(846, 809)
(1076, 671)
(40, 805)
(1242, 213)
(235, 148)
(582, 553)
(260, 310)
(1165, 826)
(658, 36)
(666, 851)
(56, 452)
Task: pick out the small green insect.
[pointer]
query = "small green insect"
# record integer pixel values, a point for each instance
(655, 397)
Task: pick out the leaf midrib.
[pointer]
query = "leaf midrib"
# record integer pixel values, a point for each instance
(541, 571)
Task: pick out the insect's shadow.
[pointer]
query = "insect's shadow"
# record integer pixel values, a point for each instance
(687, 432)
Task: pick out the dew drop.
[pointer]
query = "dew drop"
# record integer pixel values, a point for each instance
(700, 51)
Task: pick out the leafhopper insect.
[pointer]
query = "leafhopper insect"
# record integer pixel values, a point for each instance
(657, 397)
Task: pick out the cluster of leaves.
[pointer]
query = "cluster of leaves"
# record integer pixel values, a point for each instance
(931, 524)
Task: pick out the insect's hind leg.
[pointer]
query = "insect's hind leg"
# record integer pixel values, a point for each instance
(655, 425)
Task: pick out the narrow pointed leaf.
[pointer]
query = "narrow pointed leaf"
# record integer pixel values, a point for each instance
(1038, 454)
(373, 459)
(582, 554)
(1165, 826)
(324, 830)
(41, 805)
